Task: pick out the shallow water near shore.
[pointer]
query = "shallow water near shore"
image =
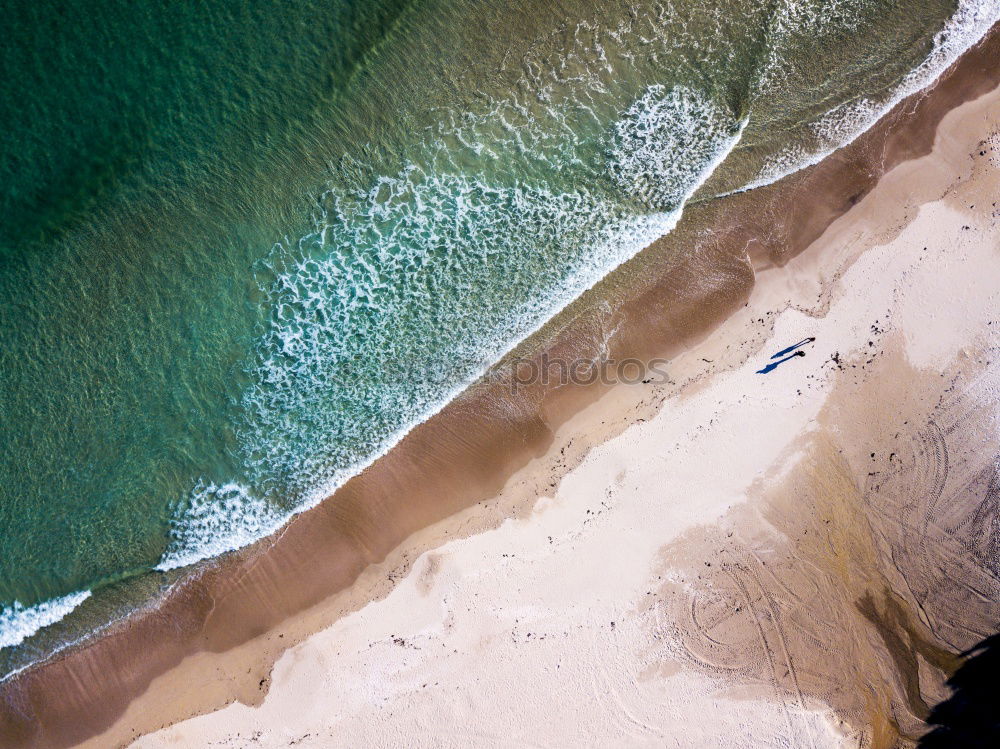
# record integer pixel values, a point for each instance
(243, 253)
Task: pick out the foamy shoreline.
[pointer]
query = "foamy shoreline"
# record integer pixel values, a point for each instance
(323, 618)
(970, 22)
(566, 624)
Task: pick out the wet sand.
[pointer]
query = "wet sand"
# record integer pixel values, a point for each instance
(217, 635)
(790, 559)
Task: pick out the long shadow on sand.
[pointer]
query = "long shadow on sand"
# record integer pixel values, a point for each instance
(971, 716)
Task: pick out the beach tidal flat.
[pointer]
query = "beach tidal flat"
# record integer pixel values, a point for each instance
(243, 319)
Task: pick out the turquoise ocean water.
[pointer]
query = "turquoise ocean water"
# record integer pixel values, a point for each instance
(245, 246)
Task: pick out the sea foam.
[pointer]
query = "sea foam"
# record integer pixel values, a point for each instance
(338, 385)
(370, 331)
(19, 622)
(843, 124)
(218, 519)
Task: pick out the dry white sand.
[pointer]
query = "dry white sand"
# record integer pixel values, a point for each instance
(548, 630)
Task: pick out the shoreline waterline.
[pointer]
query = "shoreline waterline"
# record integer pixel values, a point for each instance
(964, 29)
(947, 46)
(231, 563)
(732, 549)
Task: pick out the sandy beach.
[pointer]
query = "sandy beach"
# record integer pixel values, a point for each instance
(784, 560)
(652, 587)
(729, 558)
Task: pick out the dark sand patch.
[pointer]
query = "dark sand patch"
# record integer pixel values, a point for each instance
(858, 579)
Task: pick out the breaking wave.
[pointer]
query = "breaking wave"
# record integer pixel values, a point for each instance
(845, 122)
(18, 622)
(371, 332)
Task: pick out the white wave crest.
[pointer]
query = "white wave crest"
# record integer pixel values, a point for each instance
(663, 141)
(215, 520)
(412, 251)
(365, 306)
(843, 124)
(19, 622)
